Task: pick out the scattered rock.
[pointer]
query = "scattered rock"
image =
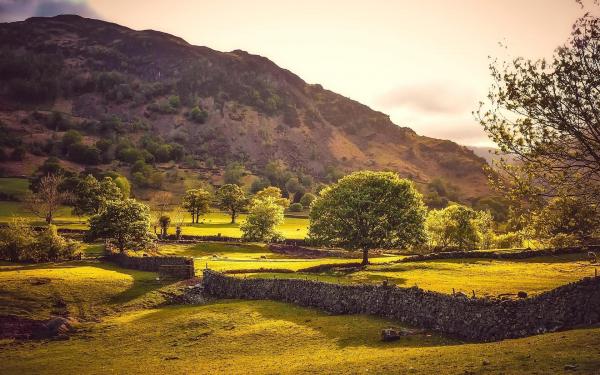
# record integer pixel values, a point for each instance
(389, 334)
(39, 281)
(171, 358)
(522, 294)
(571, 367)
(485, 362)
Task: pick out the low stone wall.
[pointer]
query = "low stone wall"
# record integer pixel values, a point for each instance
(524, 254)
(179, 267)
(474, 319)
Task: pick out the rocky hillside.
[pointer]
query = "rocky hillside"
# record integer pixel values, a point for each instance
(123, 89)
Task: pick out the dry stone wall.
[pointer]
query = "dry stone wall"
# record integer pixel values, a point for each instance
(474, 319)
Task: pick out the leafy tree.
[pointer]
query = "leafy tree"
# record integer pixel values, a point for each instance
(91, 195)
(307, 199)
(294, 187)
(546, 116)
(234, 173)
(263, 216)
(123, 184)
(295, 207)
(456, 226)
(165, 221)
(570, 219)
(126, 222)
(70, 138)
(196, 202)
(368, 210)
(232, 198)
(48, 197)
(198, 115)
(259, 184)
(274, 193)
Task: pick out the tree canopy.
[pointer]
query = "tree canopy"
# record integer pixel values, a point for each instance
(263, 216)
(91, 194)
(126, 222)
(231, 197)
(368, 210)
(196, 202)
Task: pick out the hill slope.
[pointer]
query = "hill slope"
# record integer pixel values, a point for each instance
(114, 84)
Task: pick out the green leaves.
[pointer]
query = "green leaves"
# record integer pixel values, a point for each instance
(367, 210)
(264, 215)
(231, 197)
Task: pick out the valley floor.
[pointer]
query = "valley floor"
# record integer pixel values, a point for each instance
(127, 327)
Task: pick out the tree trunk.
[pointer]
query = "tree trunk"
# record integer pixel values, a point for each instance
(49, 218)
(365, 259)
(232, 217)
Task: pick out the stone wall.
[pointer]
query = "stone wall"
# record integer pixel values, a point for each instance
(179, 267)
(474, 319)
(523, 254)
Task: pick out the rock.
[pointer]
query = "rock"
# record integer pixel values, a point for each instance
(460, 295)
(485, 362)
(389, 334)
(571, 367)
(522, 294)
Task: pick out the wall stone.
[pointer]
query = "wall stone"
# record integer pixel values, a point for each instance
(179, 267)
(526, 253)
(476, 319)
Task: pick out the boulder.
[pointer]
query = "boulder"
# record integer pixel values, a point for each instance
(390, 334)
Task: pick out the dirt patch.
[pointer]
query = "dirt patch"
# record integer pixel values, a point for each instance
(16, 327)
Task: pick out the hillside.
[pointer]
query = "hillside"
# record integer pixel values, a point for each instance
(152, 96)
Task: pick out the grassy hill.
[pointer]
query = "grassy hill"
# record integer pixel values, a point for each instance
(146, 95)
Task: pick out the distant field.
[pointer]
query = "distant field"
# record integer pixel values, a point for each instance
(16, 187)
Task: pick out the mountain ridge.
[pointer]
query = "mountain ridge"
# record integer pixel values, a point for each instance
(256, 111)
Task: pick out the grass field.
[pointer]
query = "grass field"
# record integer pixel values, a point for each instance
(16, 187)
(125, 329)
(242, 337)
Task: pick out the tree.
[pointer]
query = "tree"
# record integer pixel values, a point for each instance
(196, 202)
(568, 221)
(263, 216)
(293, 187)
(232, 198)
(274, 193)
(48, 197)
(90, 195)
(457, 226)
(165, 221)
(307, 199)
(368, 210)
(546, 116)
(126, 222)
(123, 184)
(234, 173)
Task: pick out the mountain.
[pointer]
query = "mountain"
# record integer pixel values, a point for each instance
(148, 92)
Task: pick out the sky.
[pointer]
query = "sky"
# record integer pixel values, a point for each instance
(423, 62)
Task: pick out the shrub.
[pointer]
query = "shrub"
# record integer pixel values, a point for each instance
(307, 199)
(19, 242)
(296, 207)
(198, 115)
(508, 240)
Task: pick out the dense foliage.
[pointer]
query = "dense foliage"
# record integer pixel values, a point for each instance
(368, 210)
(263, 216)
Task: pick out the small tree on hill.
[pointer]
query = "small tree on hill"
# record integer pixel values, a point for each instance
(368, 210)
(196, 202)
(165, 221)
(232, 198)
(457, 226)
(263, 216)
(126, 222)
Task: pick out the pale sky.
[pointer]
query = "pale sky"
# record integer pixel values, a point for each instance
(423, 62)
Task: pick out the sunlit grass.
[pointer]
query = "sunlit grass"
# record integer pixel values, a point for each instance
(242, 337)
(16, 187)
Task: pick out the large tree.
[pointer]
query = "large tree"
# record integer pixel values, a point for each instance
(368, 210)
(90, 195)
(546, 116)
(232, 198)
(196, 202)
(272, 192)
(125, 222)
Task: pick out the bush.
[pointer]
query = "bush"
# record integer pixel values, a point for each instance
(307, 199)
(508, 240)
(19, 242)
(296, 207)
(198, 115)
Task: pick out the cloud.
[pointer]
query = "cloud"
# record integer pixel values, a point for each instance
(18, 10)
(434, 98)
